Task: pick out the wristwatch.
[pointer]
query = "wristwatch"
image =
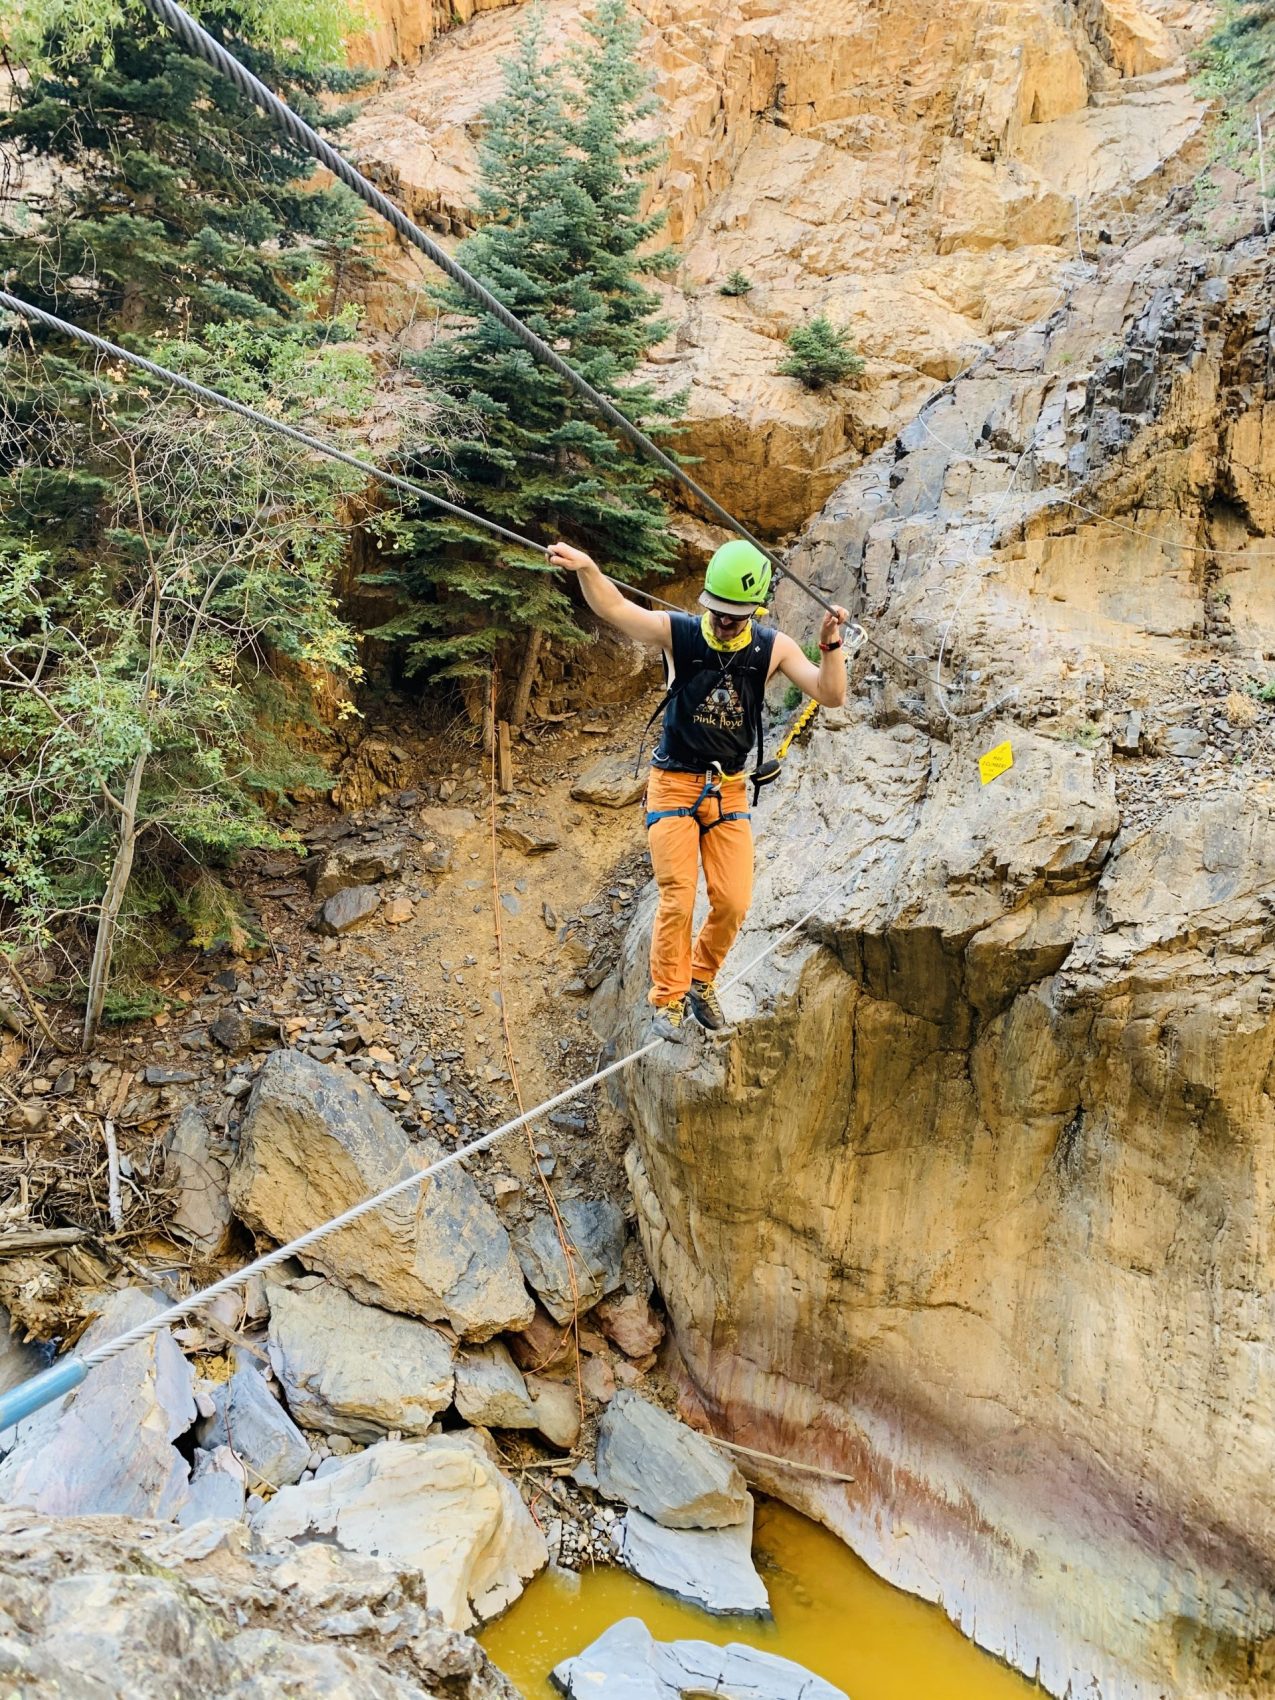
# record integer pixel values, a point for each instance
(828, 648)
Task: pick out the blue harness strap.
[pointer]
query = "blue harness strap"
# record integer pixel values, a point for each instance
(711, 789)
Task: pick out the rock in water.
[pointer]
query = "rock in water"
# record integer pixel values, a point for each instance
(351, 1368)
(656, 1464)
(252, 1422)
(201, 1176)
(439, 1506)
(712, 1568)
(107, 1445)
(630, 1664)
(595, 1228)
(314, 1141)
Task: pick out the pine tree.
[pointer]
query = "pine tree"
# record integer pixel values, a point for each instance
(175, 201)
(559, 240)
(174, 205)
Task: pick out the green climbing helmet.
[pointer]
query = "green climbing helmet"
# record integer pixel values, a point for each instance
(737, 580)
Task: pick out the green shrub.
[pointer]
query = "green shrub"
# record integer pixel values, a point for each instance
(820, 353)
(738, 283)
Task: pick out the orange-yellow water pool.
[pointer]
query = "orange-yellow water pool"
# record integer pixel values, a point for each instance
(831, 1614)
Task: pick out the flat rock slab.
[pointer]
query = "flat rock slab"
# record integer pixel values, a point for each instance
(107, 1446)
(628, 1663)
(712, 1568)
(252, 1422)
(611, 783)
(316, 1140)
(350, 1368)
(595, 1228)
(347, 909)
(218, 1488)
(657, 1465)
(532, 837)
(439, 1506)
(201, 1176)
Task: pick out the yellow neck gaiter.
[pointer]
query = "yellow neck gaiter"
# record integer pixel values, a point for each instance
(732, 644)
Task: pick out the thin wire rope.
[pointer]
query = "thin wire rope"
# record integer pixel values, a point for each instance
(409, 486)
(213, 53)
(270, 1260)
(201, 392)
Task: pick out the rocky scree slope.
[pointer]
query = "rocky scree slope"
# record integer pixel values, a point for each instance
(974, 1204)
(918, 170)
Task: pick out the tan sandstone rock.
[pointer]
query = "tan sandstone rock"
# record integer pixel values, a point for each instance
(316, 1140)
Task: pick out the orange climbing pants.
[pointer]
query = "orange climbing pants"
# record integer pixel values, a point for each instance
(677, 849)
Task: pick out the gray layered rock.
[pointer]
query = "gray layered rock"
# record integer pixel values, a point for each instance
(350, 1368)
(314, 1141)
(252, 1422)
(439, 1506)
(653, 1462)
(352, 865)
(628, 1663)
(490, 1390)
(199, 1173)
(595, 1228)
(712, 1568)
(218, 1488)
(346, 909)
(107, 1445)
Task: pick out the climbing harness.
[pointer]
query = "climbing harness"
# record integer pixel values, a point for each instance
(714, 779)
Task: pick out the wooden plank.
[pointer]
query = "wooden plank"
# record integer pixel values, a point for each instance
(38, 1239)
(504, 759)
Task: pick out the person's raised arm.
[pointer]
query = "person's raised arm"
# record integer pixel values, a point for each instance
(643, 625)
(827, 682)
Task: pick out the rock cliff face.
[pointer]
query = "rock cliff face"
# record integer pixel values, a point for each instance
(921, 171)
(975, 1204)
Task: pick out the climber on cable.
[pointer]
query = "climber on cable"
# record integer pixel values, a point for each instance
(718, 666)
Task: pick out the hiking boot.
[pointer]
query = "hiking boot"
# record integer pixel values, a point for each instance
(703, 1005)
(670, 1021)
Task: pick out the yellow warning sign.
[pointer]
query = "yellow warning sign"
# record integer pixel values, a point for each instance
(995, 762)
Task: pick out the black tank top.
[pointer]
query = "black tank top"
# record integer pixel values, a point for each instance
(713, 712)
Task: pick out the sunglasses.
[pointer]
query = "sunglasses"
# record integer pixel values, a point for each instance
(719, 619)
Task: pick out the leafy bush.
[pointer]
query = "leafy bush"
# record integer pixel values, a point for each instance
(820, 353)
(738, 283)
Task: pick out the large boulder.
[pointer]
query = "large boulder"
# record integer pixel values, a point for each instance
(351, 1368)
(712, 1568)
(439, 1506)
(628, 1663)
(110, 1608)
(315, 1140)
(107, 1446)
(595, 1231)
(656, 1464)
(252, 1422)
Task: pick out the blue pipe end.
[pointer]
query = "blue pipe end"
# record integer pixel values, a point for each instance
(41, 1390)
